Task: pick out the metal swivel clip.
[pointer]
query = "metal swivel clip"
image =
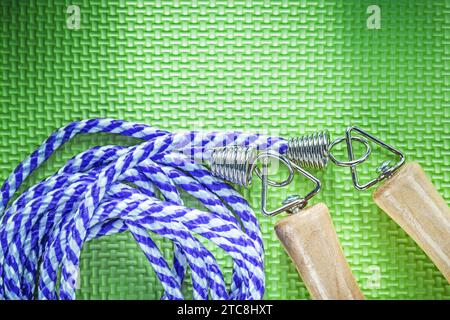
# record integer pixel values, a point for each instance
(315, 150)
(237, 164)
(385, 170)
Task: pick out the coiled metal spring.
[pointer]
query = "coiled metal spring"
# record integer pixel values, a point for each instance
(234, 164)
(237, 164)
(310, 151)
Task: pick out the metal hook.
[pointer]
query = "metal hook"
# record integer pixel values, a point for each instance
(293, 203)
(385, 170)
(352, 162)
(237, 164)
(275, 155)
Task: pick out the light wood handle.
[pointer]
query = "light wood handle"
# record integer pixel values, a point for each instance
(311, 241)
(411, 200)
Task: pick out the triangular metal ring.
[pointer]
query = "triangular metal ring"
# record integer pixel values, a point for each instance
(387, 172)
(291, 204)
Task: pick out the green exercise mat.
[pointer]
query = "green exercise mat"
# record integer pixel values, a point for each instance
(286, 68)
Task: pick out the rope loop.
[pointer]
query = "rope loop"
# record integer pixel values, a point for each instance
(112, 189)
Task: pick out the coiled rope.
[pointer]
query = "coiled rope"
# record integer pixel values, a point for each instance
(111, 189)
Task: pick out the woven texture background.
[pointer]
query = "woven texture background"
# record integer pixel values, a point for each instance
(283, 67)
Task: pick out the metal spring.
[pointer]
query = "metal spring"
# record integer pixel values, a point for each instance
(310, 151)
(237, 164)
(234, 164)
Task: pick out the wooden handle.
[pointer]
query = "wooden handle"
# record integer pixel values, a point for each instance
(311, 242)
(412, 201)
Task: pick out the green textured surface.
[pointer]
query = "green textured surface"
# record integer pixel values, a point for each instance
(280, 67)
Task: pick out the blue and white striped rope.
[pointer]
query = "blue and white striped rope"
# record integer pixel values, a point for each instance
(112, 189)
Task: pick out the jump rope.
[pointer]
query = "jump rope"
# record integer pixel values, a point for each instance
(112, 189)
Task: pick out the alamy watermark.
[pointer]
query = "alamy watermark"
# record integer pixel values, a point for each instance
(73, 21)
(374, 18)
(373, 280)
